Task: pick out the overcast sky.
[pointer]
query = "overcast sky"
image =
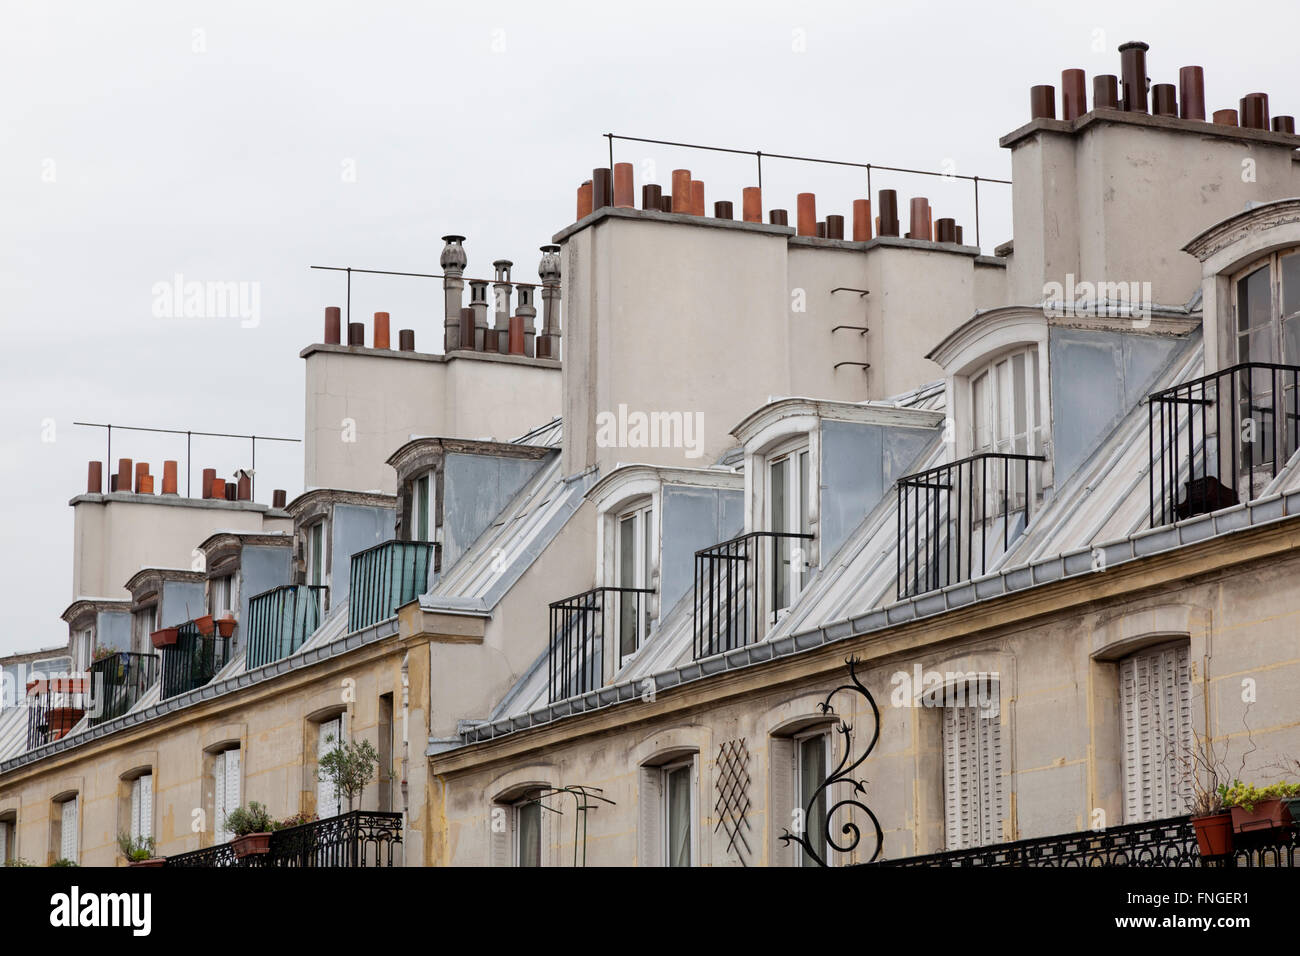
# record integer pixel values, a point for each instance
(247, 141)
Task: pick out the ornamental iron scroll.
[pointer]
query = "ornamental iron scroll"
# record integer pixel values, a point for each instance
(842, 774)
(732, 805)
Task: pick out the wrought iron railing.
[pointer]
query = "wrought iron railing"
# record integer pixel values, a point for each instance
(193, 660)
(1160, 843)
(743, 585)
(360, 838)
(1218, 440)
(54, 706)
(280, 621)
(117, 683)
(956, 519)
(586, 628)
(385, 577)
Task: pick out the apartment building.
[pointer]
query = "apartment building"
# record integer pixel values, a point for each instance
(1042, 500)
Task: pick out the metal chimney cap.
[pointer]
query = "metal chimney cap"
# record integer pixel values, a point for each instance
(1134, 45)
(453, 254)
(549, 267)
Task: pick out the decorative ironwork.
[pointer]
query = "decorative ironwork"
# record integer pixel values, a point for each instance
(742, 585)
(193, 660)
(1159, 843)
(54, 706)
(1218, 440)
(385, 577)
(117, 683)
(280, 621)
(360, 838)
(732, 805)
(582, 795)
(580, 626)
(843, 774)
(955, 520)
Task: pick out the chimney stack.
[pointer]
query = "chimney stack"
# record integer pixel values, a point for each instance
(141, 472)
(549, 271)
(527, 312)
(697, 197)
(502, 289)
(95, 478)
(333, 326)
(244, 488)
(1254, 111)
(466, 331)
(453, 263)
(479, 304)
(1133, 69)
(921, 227)
(1284, 124)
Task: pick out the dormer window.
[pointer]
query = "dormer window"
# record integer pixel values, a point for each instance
(786, 507)
(220, 594)
(1267, 306)
(633, 562)
(315, 553)
(422, 507)
(1005, 415)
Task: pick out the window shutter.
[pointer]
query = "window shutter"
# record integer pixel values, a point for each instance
(135, 808)
(780, 753)
(1156, 711)
(4, 841)
(68, 831)
(650, 811)
(989, 729)
(145, 782)
(501, 850)
(226, 785)
(328, 803)
(972, 759)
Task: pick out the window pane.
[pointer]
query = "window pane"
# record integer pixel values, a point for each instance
(679, 816)
(1254, 300)
(422, 508)
(812, 773)
(1018, 416)
(529, 818)
(981, 437)
(627, 578)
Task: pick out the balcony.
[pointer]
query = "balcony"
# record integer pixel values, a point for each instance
(117, 683)
(1219, 440)
(743, 585)
(1160, 843)
(193, 660)
(280, 621)
(385, 577)
(54, 706)
(956, 520)
(360, 838)
(588, 627)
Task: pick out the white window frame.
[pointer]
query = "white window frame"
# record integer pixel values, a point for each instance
(141, 823)
(800, 485)
(666, 771)
(424, 506)
(810, 832)
(222, 585)
(315, 544)
(644, 546)
(70, 831)
(8, 841)
(326, 799)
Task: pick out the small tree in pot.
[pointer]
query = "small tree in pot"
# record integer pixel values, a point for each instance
(252, 827)
(349, 767)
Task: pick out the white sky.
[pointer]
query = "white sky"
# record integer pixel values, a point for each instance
(227, 165)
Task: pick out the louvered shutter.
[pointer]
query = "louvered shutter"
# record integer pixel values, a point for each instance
(781, 767)
(4, 841)
(135, 808)
(974, 807)
(232, 779)
(219, 810)
(1155, 706)
(68, 831)
(650, 813)
(329, 737)
(988, 729)
(502, 824)
(144, 822)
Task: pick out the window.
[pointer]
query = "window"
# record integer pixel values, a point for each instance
(315, 542)
(329, 737)
(679, 814)
(1267, 330)
(386, 752)
(972, 769)
(787, 513)
(528, 831)
(141, 824)
(225, 789)
(1005, 415)
(144, 622)
(811, 758)
(68, 824)
(634, 559)
(219, 595)
(8, 848)
(1156, 717)
(83, 653)
(422, 511)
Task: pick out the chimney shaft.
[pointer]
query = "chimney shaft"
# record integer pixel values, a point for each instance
(1225, 117)
(751, 204)
(624, 189)
(806, 204)
(1074, 96)
(453, 261)
(1284, 124)
(1105, 92)
(921, 226)
(244, 490)
(381, 338)
(682, 191)
(548, 269)
(95, 478)
(1254, 112)
(888, 202)
(697, 197)
(1133, 68)
(1191, 93)
(124, 474)
(861, 220)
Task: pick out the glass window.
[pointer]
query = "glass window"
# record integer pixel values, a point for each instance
(678, 823)
(633, 555)
(528, 832)
(811, 754)
(1255, 333)
(219, 596)
(142, 806)
(787, 511)
(422, 524)
(316, 553)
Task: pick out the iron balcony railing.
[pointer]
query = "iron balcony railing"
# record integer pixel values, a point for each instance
(1159, 843)
(385, 577)
(54, 706)
(955, 520)
(280, 621)
(117, 683)
(193, 660)
(1218, 440)
(360, 838)
(743, 585)
(588, 628)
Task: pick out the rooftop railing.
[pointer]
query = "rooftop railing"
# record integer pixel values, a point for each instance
(118, 681)
(385, 577)
(193, 660)
(1218, 440)
(589, 628)
(956, 520)
(54, 706)
(280, 621)
(743, 585)
(360, 838)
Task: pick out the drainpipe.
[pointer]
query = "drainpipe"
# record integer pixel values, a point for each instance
(406, 744)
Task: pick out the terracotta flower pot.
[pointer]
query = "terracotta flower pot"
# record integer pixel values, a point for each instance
(61, 720)
(226, 625)
(1267, 815)
(165, 637)
(251, 844)
(204, 624)
(1214, 834)
(155, 861)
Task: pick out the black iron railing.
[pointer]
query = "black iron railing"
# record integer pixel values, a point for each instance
(280, 621)
(193, 660)
(588, 627)
(956, 519)
(1160, 843)
(117, 683)
(385, 577)
(54, 706)
(361, 838)
(742, 586)
(1218, 440)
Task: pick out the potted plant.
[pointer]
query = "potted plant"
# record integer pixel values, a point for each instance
(349, 767)
(204, 623)
(226, 625)
(164, 637)
(1260, 809)
(63, 861)
(138, 851)
(252, 827)
(102, 652)
(297, 820)
(1211, 815)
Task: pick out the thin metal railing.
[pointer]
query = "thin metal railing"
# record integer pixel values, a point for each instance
(193, 660)
(117, 683)
(280, 621)
(605, 623)
(54, 706)
(385, 577)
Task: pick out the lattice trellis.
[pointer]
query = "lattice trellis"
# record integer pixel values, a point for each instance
(732, 805)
